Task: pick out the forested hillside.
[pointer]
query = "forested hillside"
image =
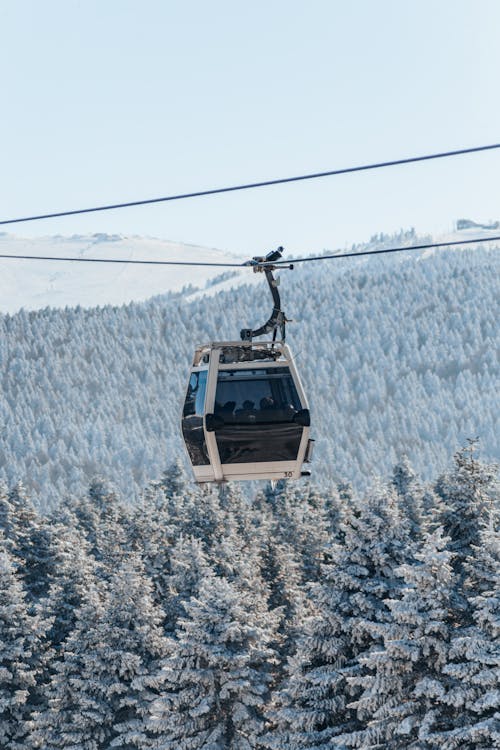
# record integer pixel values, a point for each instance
(398, 356)
(300, 619)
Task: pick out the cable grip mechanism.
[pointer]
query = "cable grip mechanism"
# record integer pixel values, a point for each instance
(277, 319)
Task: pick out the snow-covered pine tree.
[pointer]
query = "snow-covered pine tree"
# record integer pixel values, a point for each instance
(234, 551)
(30, 538)
(7, 519)
(203, 516)
(194, 512)
(474, 663)
(103, 519)
(77, 714)
(403, 680)
(111, 537)
(403, 476)
(411, 494)
(300, 520)
(173, 480)
(217, 678)
(237, 509)
(345, 491)
(105, 681)
(151, 534)
(227, 547)
(22, 650)
(332, 500)
(468, 494)
(188, 566)
(311, 708)
(282, 571)
(75, 573)
(281, 563)
(138, 637)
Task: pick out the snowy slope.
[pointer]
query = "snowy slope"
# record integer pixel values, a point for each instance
(31, 285)
(459, 235)
(34, 285)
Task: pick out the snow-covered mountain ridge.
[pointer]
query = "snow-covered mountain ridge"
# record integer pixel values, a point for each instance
(34, 285)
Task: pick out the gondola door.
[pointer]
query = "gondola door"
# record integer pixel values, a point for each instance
(192, 423)
(209, 420)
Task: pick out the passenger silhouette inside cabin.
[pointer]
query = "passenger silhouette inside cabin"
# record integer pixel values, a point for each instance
(228, 407)
(267, 403)
(247, 413)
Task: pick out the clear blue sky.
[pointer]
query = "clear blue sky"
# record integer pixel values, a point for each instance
(114, 100)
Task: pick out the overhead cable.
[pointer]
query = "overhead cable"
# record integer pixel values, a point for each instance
(336, 256)
(253, 185)
(425, 246)
(123, 260)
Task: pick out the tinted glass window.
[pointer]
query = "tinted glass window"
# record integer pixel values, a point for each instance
(266, 395)
(257, 408)
(192, 419)
(195, 397)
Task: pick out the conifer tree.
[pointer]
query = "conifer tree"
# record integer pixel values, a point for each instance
(104, 683)
(468, 495)
(110, 536)
(403, 476)
(140, 642)
(238, 509)
(280, 563)
(188, 565)
(301, 522)
(102, 518)
(77, 714)
(151, 534)
(217, 678)
(311, 708)
(76, 573)
(474, 663)
(234, 552)
(411, 494)
(403, 681)
(21, 650)
(39, 558)
(6, 517)
(173, 481)
(30, 538)
(202, 515)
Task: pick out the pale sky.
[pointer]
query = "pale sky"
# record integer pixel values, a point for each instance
(113, 100)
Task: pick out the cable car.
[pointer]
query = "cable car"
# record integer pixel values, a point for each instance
(245, 413)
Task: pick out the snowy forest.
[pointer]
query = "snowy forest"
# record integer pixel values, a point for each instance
(300, 618)
(358, 609)
(397, 356)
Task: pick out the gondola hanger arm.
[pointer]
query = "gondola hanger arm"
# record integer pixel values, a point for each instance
(278, 318)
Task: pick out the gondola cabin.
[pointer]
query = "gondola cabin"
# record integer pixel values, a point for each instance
(245, 414)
